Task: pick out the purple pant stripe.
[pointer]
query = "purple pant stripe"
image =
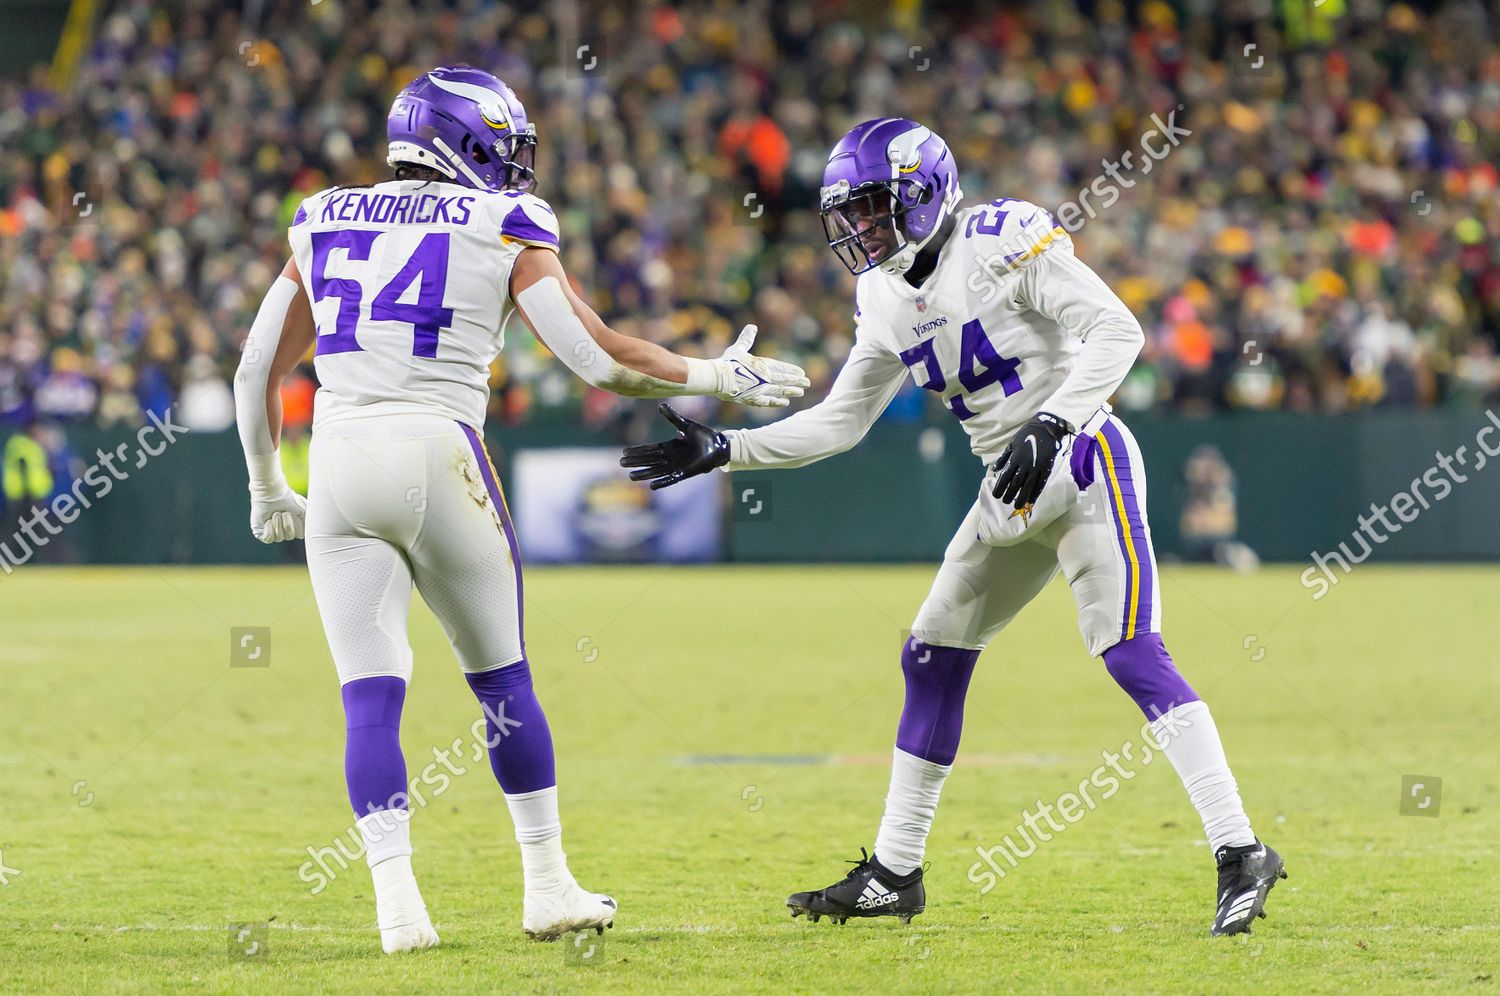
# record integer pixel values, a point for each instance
(1135, 515)
(487, 472)
(1109, 487)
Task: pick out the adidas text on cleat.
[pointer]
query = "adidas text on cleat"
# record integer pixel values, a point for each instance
(1246, 876)
(870, 889)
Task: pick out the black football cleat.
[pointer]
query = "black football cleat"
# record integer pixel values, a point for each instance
(1246, 876)
(870, 889)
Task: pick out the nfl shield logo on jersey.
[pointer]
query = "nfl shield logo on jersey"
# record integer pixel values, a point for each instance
(922, 304)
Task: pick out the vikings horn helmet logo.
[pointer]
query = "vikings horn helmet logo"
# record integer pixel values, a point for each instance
(491, 107)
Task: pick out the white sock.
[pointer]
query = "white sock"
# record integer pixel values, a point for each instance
(387, 835)
(909, 808)
(539, 832)
(1190, 739)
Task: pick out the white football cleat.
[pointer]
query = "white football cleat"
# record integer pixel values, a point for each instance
(410, 937)
(399, 910)
(549, 915)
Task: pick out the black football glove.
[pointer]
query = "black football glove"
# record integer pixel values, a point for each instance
(695, 450)
(1027, 462)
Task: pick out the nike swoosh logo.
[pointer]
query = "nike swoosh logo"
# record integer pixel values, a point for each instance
(750, 377)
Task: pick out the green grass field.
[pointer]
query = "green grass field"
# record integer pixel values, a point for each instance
(152, 794)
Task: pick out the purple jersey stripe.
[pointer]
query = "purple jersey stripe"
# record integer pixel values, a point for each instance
(518, 225)
(1139, 539)
(492, 485)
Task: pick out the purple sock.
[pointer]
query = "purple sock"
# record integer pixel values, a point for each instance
(937, 679)
(1145, 670)
(515, 728)
(373, 766)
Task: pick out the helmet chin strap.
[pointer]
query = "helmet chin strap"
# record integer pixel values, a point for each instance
(458, 162)
(902, 260)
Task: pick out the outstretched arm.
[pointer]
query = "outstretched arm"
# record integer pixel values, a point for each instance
(281, 335)
(634, 367)
(860, 393)
(868, 381)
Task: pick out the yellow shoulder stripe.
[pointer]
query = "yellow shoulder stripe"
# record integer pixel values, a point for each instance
(1036, 250)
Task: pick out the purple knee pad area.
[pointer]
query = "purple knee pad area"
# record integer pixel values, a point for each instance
(1145, 670)
(516, 733)
(374, 769)
(937, 680)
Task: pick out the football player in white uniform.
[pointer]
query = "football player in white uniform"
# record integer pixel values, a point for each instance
(405, 287)
(989, 308)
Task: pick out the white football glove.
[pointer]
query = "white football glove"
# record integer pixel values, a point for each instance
(756, 381)
(277, 513)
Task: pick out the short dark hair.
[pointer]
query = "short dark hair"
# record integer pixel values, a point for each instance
(412, 171)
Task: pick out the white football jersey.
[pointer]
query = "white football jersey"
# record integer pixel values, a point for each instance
(996, 330)
(409, 285)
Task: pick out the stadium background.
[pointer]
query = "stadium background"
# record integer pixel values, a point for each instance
(1314, 263)
(171, 736)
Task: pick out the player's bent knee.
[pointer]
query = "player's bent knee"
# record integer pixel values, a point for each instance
(1143, 668)
(517, 736)
(373, 701)
(945, 625)
(947, 639)
(937, 682)
(501, 680)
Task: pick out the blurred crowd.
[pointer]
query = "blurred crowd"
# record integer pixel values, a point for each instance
(1322, 238)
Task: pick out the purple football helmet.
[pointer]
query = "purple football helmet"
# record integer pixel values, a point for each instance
(465, 124)
(887, 171)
